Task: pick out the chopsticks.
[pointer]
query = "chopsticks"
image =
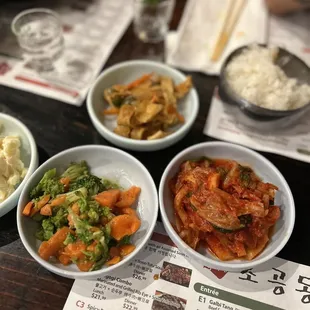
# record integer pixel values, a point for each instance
(233, 13)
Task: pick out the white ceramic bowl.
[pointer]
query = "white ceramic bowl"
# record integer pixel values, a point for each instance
(124, 73)
(28, 155)
(263, 168)
(106, 162)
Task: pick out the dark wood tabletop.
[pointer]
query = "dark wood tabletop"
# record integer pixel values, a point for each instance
(57, 126)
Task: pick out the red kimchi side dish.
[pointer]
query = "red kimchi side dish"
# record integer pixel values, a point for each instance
(224, 206)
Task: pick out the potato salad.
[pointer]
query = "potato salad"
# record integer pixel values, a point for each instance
(12, 169)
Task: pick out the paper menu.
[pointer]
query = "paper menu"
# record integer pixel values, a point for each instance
(161, 278)
(227, 122)
(91, 32)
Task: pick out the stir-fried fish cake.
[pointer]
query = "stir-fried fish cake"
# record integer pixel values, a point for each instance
(147, 107)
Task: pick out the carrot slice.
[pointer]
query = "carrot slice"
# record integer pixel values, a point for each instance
(113, 261)
(126, 249)
(41, 203)
(54, 244)
(70, 220)
(139, 81)
(111, 111)
(27, 208)
(128, 211)
(108, 198)
(75, 250)
(46, 210)
(64, 259)
(92, 247)
(65, 181)
(58, 201)
(114, 251)
(84, 265)
(76, 209)
(128, 197)
(124, 225)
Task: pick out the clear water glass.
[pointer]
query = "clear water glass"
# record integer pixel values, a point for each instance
(40, 36)
(151, 19)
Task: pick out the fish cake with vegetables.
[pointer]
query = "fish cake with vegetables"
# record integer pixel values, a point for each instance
(146, 108)
(83, 219)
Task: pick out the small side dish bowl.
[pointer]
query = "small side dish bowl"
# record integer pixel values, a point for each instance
(103, 161)
(264, 169)
(124, 73)
(28, 155)
(293, 67)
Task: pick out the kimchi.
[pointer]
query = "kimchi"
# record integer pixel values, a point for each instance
(225, 206)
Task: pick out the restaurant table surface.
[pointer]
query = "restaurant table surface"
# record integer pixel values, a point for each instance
(57, 126)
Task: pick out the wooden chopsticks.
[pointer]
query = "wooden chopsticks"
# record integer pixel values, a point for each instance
(233, 13)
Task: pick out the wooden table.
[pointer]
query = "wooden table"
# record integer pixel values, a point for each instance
(57, 126)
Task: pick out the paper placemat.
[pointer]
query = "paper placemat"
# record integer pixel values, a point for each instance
(90, 33)
(161, 278)
(227, 122)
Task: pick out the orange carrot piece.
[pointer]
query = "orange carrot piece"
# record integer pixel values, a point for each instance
(108, 198)
(84, 265)
(114, 251)
(75, 250)
(128, 197)
(128, 211)
(46, 210)
(76, 209)
(139, 81)
(70, 220)
(58, 201)
(65, 181)
(126, 249)
(92, 247)
(41, 203)
(53, 245)
(28, 208)
(64, 259)
(113, 261)
(124, 225)
(111, 111)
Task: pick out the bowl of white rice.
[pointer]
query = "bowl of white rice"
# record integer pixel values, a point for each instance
(266, 83)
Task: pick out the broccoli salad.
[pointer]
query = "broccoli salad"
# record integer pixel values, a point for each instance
(83, 219)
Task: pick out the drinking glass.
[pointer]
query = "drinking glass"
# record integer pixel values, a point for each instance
(40, 36)
(151, 19)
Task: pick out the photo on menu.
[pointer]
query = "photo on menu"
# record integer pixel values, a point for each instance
(163, 301)
(176, 274)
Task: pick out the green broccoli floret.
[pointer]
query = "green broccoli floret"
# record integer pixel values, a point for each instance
(76, 195)
(48, 229)
(60, 218)
(93, 216)
(76, 170)
(40, 234)
(90, 182)
(124, 240)
(69, 239)
(49, 184)
(82, 228)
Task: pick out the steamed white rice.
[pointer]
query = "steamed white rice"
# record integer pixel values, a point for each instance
(253, 76)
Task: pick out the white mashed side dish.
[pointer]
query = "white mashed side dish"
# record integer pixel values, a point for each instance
(12, 169)
(253, 76)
